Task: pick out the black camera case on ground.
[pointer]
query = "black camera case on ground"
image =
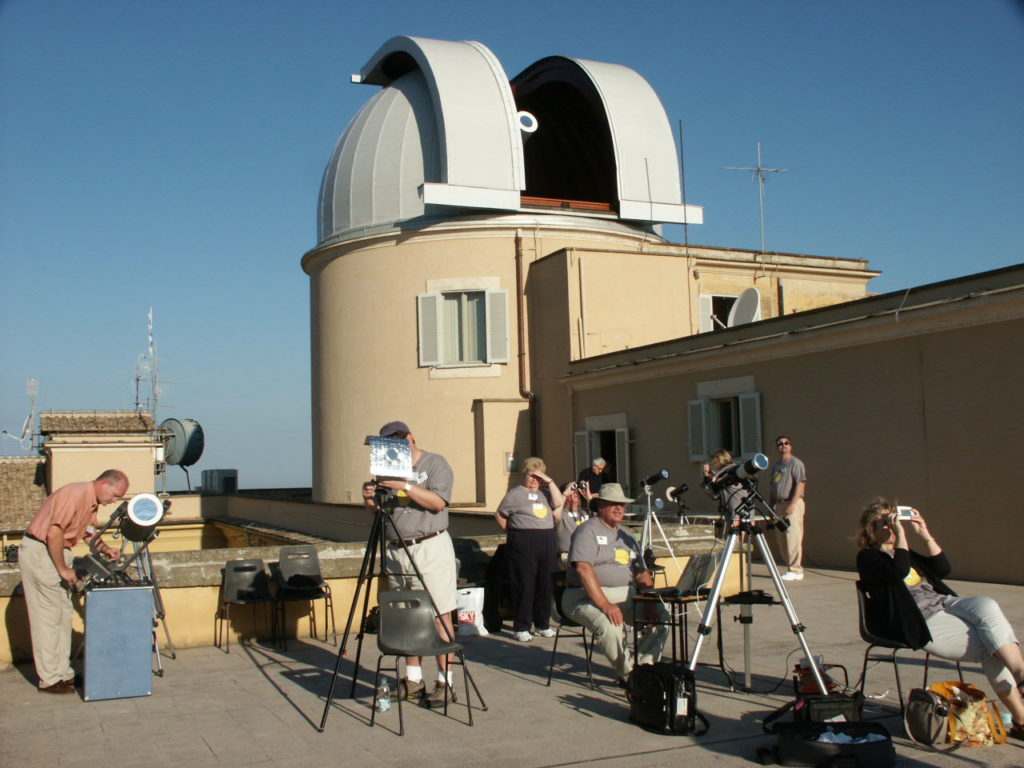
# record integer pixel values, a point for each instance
(814, 714)
(663, 699)
(797, 744)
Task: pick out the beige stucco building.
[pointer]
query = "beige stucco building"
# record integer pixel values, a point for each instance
(445, 192)
(912, 395)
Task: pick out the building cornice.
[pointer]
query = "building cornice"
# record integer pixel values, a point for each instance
(975, 300)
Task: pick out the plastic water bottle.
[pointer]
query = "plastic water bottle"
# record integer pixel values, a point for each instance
(384, 697)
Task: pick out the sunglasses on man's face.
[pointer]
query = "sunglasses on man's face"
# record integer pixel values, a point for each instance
(781, 443)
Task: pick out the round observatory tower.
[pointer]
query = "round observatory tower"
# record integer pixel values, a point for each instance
(443, 190)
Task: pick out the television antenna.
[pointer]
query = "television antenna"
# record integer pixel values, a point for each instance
(147, 371)
(761, 172)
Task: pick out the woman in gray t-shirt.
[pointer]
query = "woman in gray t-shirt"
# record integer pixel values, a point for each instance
(574, 514)
(528, 514)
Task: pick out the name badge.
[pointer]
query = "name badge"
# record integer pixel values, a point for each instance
(532, 496)
(602, 540)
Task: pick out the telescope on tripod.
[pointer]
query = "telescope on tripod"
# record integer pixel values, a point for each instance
(734, 487)
(135, 522)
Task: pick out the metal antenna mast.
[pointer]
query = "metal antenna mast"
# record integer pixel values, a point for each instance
(762, 174)
(146, 369)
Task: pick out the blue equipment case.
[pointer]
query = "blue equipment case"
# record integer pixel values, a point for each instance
(118, 642)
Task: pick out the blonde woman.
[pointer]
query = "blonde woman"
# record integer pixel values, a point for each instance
(528, 514)
(731, 496)
(918, 608)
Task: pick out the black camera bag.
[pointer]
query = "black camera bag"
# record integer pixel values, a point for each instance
(820, 708)
(663, 699)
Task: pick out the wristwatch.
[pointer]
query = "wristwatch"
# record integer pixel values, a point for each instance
(408, 487)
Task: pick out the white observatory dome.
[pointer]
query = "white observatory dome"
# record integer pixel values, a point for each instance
(447, 134)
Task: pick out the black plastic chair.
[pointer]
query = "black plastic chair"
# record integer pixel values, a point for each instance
(892, 646)
(245, 582)
(408, 628)
(299, 580)
(568, 627)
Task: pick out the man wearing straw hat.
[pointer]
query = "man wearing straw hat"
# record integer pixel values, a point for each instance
(606, 566)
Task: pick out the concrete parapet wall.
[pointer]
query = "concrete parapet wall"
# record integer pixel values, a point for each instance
(190, 587)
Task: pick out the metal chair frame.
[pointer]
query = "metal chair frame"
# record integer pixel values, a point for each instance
(301, 560)
(244, 582)
(893, 647)
(408, 628)
(568, 625)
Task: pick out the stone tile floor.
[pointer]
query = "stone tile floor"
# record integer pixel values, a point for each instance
(258, 706)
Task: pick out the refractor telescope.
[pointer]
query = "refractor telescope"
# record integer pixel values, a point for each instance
(736, 474)
(672, 493)
(657, 477)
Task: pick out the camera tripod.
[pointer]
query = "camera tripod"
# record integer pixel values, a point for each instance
(743, 525)
(375, 548)
(647, 533)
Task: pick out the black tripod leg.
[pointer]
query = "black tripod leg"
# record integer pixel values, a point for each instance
(372, 554)
(365, 574)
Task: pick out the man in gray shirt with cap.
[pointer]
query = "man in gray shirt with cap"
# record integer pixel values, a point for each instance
(421, 517)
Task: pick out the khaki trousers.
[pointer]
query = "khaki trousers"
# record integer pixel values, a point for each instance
(613, 640)
(49, 612)
(790, 544)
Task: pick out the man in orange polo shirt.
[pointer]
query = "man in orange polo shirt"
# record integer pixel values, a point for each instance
(63, 520)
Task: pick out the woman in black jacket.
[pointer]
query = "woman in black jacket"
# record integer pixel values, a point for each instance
(918, 608)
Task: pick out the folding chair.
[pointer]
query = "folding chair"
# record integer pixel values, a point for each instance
(299, 580)
(567, 625)
(408, 628)
(244, 583)
(892, 646)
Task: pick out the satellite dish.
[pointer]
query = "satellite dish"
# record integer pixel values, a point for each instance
(184, 441)
(746, 308)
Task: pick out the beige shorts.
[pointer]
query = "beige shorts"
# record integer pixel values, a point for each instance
(435, 558)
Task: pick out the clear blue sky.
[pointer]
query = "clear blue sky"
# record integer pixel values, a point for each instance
(169, 155)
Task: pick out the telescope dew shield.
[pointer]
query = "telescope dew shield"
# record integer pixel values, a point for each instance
(145, 511)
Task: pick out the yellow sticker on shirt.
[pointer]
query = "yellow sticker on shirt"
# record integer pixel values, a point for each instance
(539, 510)
(622, 556)
(913, 578)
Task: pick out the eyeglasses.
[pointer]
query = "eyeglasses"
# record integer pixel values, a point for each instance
(781, 443)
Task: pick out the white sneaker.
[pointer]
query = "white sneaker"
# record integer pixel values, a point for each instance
(523, 637)
(549, 632)
(792, 576)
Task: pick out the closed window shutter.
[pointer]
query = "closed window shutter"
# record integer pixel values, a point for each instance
(497, 326)
(581, 448)
(750, 424)
(428, 310)
(622, 458)
(706, 309)
(697, 420)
